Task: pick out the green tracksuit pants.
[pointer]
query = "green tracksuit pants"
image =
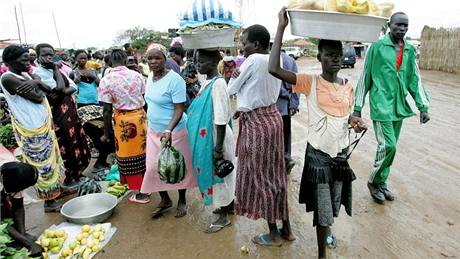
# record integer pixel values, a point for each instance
(387, 134)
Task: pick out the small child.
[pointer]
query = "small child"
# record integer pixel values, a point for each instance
(327, 176)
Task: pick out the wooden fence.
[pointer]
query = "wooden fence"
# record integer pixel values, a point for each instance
(440, 49)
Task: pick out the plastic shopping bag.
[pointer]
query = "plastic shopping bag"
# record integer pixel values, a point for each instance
(171, 165)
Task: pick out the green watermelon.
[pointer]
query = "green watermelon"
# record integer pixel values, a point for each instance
(171, 165)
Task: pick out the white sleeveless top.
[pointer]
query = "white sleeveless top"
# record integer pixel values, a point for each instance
(29, 114)
(325, 132)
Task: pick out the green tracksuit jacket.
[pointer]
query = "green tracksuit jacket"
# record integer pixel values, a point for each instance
(387, 86)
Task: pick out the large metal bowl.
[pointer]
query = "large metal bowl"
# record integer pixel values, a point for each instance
(335, 25)
(89, 209)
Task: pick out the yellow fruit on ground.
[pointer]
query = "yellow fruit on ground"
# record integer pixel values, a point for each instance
(85, 228)
(45, 242)
(98, 227)
(54, 242)
(49, 233)
(85, 234)
(79, 237)
(55, 250)
(60, 233)
(90, 243)
(95, 248)
(83, 241)
(66, 252)
(96, 242)
(73, 245)
(101, 238)
(96, 234)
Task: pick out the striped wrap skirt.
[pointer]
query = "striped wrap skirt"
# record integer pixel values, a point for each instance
(261, 177)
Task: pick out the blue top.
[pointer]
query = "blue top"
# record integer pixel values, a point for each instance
(287, 99)
(161, 97)
(87, 92)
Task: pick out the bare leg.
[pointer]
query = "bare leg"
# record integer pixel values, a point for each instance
(181, 204)
(321, 236)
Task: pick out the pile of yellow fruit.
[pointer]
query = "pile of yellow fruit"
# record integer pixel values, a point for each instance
(52, 240)
(87, 242)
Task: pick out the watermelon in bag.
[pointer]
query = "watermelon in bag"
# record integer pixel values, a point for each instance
(171, 165)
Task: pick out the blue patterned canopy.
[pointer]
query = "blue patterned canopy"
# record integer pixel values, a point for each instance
(204, 12)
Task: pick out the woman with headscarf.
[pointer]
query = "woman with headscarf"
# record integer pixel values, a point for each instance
(85, 79)
(33, 124)
(67, 125)
(211, 139)
(122, 91)
(165, 95)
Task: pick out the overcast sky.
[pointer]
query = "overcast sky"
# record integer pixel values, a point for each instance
(86, 23)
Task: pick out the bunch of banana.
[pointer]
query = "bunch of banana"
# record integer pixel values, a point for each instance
(117, 189)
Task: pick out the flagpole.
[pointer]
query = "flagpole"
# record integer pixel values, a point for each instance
(57, 33)
(17, 24)
(23, 23)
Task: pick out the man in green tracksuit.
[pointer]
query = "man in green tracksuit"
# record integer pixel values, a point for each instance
(390, 72)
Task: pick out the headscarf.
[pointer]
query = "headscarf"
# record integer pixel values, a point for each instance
(32, 51)
(159, 47)
(13, 52)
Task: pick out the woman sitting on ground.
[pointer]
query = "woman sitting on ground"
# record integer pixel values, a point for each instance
(15, 178)
(327, 176)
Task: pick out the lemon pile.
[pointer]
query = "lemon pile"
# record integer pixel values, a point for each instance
(52, 240)
(86, 243)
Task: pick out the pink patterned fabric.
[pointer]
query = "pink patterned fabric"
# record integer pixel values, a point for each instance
(123, 88)
(152, 182)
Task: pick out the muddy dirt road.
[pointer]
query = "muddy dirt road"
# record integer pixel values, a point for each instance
(423, 221)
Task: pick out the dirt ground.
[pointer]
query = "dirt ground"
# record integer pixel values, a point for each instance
(423, 221)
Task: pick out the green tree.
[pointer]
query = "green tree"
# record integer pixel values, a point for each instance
(140, 38)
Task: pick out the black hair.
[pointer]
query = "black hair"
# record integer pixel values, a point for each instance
(228, 52)
(258, 33)
(212, 54)
(41, 46)
(18, 176)
(118, 56)
(178, 50)
(79, 51)
(331, 43)
(190, 53)
(395, 14)
(126, 45)
(107, 59)
(13, 52)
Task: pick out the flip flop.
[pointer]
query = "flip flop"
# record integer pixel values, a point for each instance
(133, 199)
(159, 211)
(331, 242)
(213, 228)
(260, 240)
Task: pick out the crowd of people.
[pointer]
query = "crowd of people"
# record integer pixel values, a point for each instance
(135, 105)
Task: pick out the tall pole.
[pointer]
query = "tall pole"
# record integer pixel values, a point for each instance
(57, 33)
(23, 23)
(17, 24)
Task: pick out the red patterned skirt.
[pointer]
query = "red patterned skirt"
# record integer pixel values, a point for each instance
(261, 176)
